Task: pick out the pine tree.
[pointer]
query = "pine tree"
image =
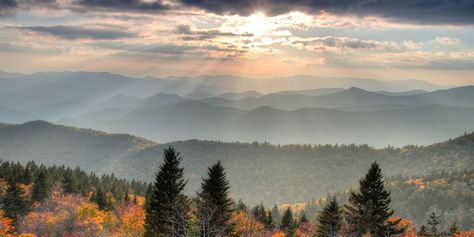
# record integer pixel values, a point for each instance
(423, 231)
(330, 220)
(126, 197)
(288, 224)
(167, 212)
(259, 213)
(40, 187)
(135, 199)
(276, 214)
(214, 206)
(100, 198)
(148, 194)
(269, 223)
(368, 210)
(69, 183)
(453, 229)
(241, 206)
(303, 217)
(15, 204)
(433, 223)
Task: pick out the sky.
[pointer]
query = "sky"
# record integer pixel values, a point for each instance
(430, 40)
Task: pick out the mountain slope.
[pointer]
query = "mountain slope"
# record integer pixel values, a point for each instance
(192, 119)
(257, 172)
(353, 99)
(450, 194)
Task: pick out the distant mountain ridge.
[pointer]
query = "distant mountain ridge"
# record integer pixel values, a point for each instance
(278, 174)
(309, 109)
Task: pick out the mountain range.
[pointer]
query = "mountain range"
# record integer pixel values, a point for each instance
(258, 172)
(214, 108)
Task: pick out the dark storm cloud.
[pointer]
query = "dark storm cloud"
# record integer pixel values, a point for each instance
(418, 11)
(124, 5)
(8, 7)
(189, 34)
(76, 32)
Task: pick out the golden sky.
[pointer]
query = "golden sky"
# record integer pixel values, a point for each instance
(261, 39)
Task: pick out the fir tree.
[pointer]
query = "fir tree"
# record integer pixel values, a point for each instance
(101, 199)
(368, 210)
(241, 206)
(126, 197)
(453, 229)
(288, 224)
(135, 199)
(69, 183)
(433, 223)
(330, 220)
(148, 194)
(213, 203)
(259, 213)
(303, 217)
(167, 212)
(423, 231)
(269, 222)
(276, 214)
(15, 204)
(40, 187)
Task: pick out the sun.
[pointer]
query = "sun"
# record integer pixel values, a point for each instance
(257, 24)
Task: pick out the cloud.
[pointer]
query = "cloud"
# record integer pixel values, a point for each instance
(453, 12)
(447, 40)
(9, 7)
(189, 34)
(124, 5)
(463, 60)
(412, 45)
(78, 32)
(417, 11)
(341, 43)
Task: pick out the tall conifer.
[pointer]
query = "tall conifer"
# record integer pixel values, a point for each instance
(167, 211)
(15, 204)
(368, 209)
(329, 220)
(40, 187)
(214, 206)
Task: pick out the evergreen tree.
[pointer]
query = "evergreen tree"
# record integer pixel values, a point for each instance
(15, 204)
(101, 199)
(423, 232)
(368, 210)
(167, 212)
(303, 217)
(135, 200)
(214, 206)
(148, 194)
(269, 223)
(241, 206)
(453, 229)
(69, 183)
(288, 224)
(330, 220)
(126, 197)
(276, 214)
(433, 223)
(40, 187)
(259, 213)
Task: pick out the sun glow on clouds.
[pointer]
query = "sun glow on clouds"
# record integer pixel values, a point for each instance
(194, 41)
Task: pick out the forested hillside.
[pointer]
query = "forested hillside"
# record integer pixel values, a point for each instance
(278, 174)
(448, 194)
(36, 200)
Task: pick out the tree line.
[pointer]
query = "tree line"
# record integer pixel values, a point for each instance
(16, 203)
(169, 212)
